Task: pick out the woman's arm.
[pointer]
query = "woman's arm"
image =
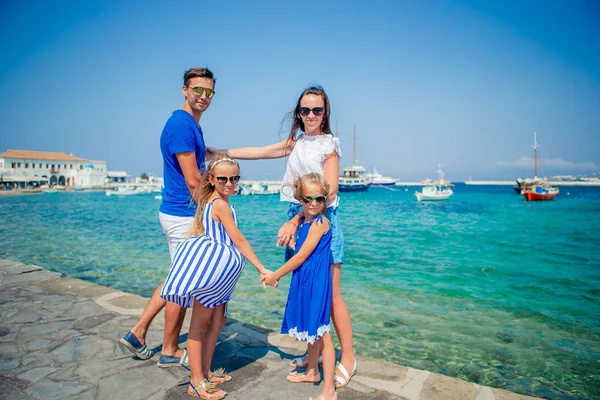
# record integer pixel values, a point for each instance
(315, 233)
(276, 150)
(331, 172)
(222, 213)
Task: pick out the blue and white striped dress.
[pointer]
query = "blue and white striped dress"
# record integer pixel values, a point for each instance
(205, 268)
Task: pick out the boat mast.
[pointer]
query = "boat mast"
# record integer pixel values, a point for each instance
(336, 129)
(354, 156)
(535, 147)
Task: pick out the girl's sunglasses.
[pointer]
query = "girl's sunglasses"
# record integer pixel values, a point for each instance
(223, 179)
(198, 90)
(310, 199)
(317, 111)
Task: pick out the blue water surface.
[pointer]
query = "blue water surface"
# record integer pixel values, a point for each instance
(484, 287)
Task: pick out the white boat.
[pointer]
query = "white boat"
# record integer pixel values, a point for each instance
(435, 191)
(353, 178)
(126, 190)
(379, 180)
(259, 187)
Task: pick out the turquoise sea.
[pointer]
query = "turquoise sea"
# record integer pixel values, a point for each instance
(484, 287)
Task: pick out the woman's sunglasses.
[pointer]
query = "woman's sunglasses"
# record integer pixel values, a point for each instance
(223, 179)
(198, 90)
(317, 111)
(317, 199)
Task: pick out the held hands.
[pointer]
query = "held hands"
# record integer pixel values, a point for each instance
(264, 278)
(270, 279)
(285, 236)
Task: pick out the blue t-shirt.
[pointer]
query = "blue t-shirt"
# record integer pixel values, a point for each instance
(180, 134)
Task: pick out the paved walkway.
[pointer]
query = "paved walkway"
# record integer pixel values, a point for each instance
(59, 340)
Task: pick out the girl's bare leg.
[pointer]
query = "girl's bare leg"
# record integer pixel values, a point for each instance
(326, 343)
(217, 322)
(196, 337)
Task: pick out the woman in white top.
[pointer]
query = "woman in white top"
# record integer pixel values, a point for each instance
(311, 147)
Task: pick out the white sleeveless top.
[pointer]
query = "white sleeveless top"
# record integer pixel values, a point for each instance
(308, 156)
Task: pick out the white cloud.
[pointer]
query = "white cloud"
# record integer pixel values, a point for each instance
(527, 162)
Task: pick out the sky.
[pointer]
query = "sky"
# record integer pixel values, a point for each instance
(464, 84)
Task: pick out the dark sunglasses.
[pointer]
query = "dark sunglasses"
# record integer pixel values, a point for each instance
(223, 179)
(198, 90)
(310, 199)
(317, 111)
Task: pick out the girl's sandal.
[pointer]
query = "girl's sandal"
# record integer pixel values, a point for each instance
(320, 397)
(210, 388)
(220, 376)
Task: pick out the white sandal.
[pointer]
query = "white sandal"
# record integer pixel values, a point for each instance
(343, 381)
(300, 363)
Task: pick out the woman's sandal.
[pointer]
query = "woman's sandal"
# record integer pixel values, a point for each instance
(341, 381)
(212, 393)
(220, 375)
(299, 362)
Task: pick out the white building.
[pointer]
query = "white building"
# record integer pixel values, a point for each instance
(116, 177)
(24, 167)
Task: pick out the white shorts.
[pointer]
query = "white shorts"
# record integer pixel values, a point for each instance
(176, 228)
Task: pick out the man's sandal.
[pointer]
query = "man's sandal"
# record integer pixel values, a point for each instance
(299, 362)
(341, 381)
(133, 345)
(174, 361)
(220, 376)
(210, 388)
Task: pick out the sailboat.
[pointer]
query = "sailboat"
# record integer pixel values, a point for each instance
(438, 190)
(538, 190)
(353, 178)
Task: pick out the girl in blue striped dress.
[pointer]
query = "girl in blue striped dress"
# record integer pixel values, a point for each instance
(205, 270)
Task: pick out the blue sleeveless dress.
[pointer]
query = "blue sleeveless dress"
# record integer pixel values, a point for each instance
(308, 308)
(205, 268)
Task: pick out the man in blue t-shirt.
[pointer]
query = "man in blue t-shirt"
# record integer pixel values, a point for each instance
(183, 150)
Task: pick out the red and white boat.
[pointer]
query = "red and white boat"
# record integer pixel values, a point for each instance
(538, 190)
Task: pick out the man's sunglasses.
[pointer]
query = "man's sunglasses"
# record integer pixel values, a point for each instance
(310, 199)
(223, 179)
(317, 111)
(198, 90)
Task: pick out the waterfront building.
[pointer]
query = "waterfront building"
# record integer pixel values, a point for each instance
(116, 177)
(22, 168)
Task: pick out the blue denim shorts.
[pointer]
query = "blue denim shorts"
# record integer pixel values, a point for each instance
(336, 256)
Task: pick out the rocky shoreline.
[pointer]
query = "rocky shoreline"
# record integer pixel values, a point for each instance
(59, 340)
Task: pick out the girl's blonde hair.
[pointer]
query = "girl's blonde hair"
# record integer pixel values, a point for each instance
(205, 190)
(311, 178)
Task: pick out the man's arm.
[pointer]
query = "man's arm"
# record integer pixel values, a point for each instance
(189, 167)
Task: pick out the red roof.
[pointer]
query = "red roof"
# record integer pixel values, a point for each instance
(40, 155)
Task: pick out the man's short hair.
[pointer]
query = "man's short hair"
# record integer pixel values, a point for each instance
(198, 73)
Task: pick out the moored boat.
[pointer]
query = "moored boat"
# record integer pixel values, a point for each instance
(353, 178)
(436, 191)
(539, 189)
(126, 190)
(259, 188)
(379, 180)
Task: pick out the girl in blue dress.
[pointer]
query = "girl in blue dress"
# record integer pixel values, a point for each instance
(308, 308)
(205, 270)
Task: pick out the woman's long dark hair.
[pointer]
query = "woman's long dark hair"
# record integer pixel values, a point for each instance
(297, 123)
